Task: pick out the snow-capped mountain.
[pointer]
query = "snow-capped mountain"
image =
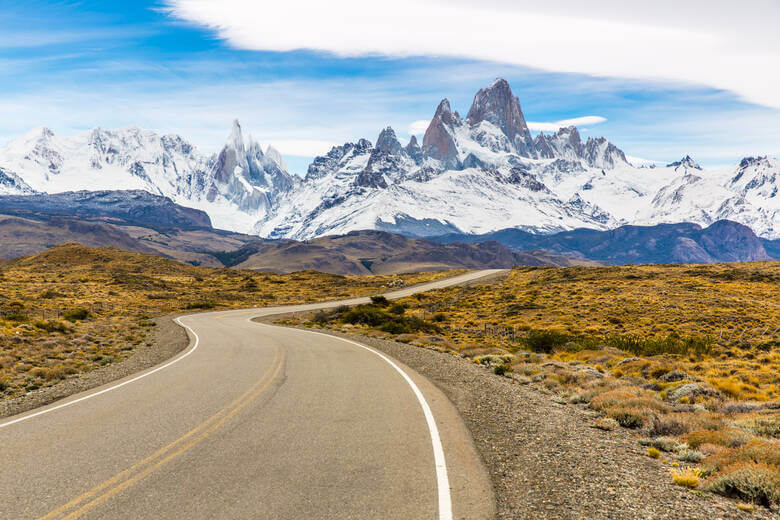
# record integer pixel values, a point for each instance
(235, 187)
(472, 175)
(486, 172)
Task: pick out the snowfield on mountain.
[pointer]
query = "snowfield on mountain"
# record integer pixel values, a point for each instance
(475, 174)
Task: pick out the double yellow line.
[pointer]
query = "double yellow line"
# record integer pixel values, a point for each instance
(116, 484)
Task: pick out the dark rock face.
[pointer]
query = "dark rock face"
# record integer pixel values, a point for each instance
(524, 178)
(542, 147)
(323, 164)
(414, 151)
(130, 207)
(370, 179)
(387, 142)
(497, 105)
(13, 183)
(686, 162)
(438, 141)
(600, 153)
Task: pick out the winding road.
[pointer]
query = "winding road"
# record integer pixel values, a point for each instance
(250, 421)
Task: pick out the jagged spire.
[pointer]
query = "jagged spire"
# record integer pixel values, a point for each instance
(497, 105)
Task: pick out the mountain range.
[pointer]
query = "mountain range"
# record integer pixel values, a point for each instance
(469, 176)
(142, 222)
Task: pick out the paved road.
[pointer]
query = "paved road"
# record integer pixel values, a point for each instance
(251, 421)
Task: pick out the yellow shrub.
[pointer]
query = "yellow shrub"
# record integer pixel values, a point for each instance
(653, 453)
(688, 477)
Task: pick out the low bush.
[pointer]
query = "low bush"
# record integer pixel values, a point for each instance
(52, 326)
(757, 450)
(688, 477)
(765, 425)
(374, 316)
(628, 418)
(653, 453)
(201, 305)
(689, 455)
(380, 301)
(730, 438)
(399, 310)
(750, 481)
(545, 341)
(78, 314)
(502, 369)
(606, 424)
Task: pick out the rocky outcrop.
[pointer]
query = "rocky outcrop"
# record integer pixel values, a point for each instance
(414, 151)
(686, 162)
(387, 142)
(12, 184)
(439, 141)
(497, 105)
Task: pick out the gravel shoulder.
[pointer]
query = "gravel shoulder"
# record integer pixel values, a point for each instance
(169, 340)
(546, 460)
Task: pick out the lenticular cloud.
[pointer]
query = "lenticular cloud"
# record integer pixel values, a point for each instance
(607, 40)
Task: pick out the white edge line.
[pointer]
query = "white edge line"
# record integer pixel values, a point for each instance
(110, 388)
(442, 480)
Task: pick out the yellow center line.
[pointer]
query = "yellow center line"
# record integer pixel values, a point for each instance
(200, 432)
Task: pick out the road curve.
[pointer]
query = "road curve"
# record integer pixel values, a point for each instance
(251, 421)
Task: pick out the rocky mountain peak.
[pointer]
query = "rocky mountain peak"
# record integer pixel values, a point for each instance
(439, 140)
(387, 142)
(497, 105)
(236, 138)
(686, 162)
(274, 155)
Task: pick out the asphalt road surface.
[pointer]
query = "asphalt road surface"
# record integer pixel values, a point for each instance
(250, 421)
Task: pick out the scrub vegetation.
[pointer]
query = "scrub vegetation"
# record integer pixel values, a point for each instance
(72, 309)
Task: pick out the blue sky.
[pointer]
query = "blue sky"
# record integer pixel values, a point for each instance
(176, 66)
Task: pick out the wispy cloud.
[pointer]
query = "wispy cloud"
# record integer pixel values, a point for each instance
(554, 126)
(418, 127)
(709, 47)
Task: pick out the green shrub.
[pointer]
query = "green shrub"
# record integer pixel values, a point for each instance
(380, 301)
(627, 418)
(201, 305)
(502, 369)
(52, 326)
(76, 314)
(321, 317)
(17, 316)
(545, 340)
(397, 309)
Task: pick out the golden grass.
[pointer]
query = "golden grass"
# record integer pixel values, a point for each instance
(72, 309)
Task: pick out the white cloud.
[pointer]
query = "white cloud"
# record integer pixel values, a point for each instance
(725, 45)
(639, 161)
(418, 127)
(554, 126)
(302, 147)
